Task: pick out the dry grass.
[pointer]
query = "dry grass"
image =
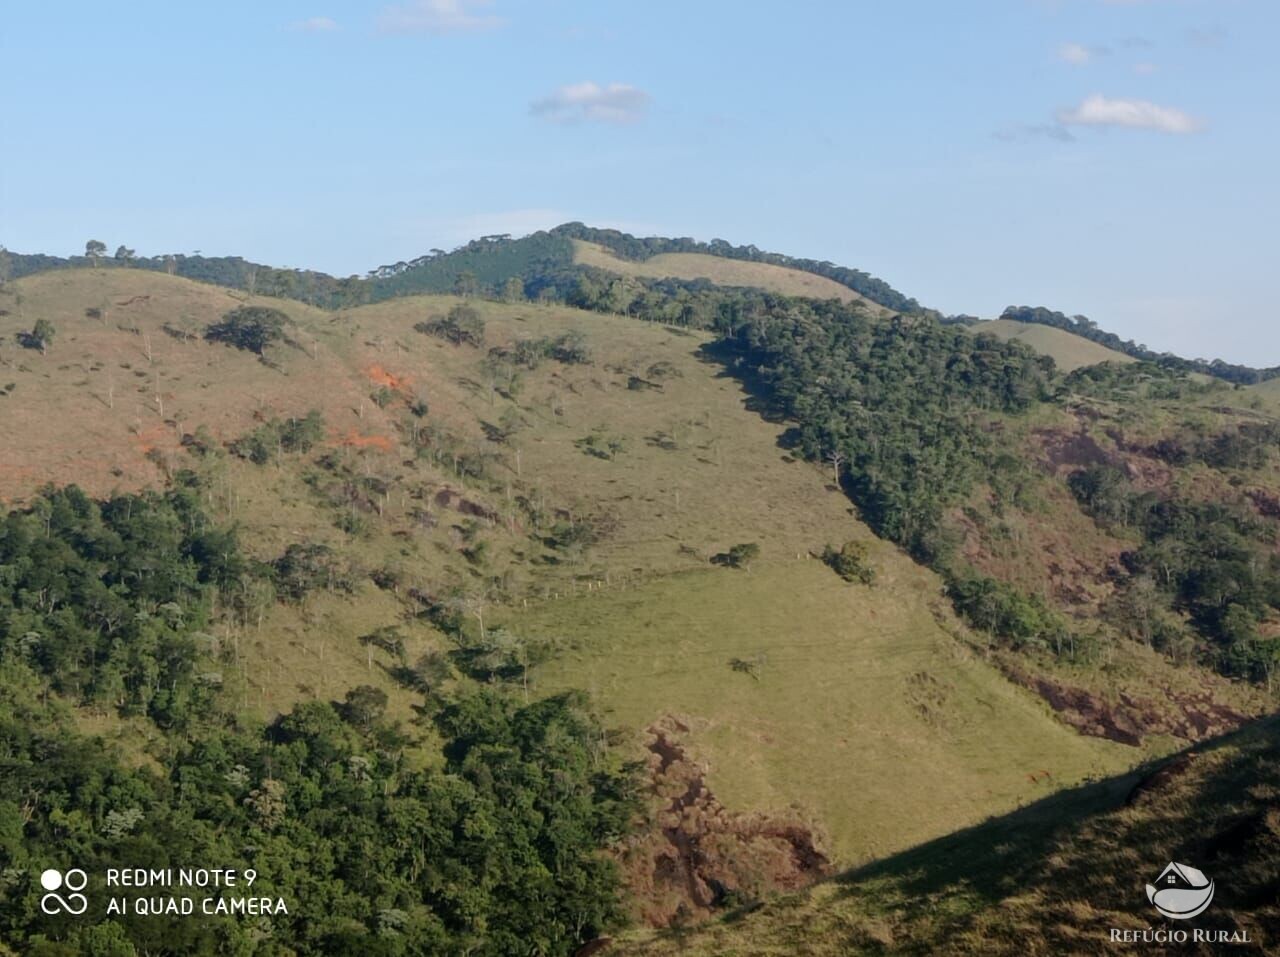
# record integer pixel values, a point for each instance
(723, 272)
(1068, 350)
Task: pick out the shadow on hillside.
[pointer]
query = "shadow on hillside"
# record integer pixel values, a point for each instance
(721, 354)
(991, 860)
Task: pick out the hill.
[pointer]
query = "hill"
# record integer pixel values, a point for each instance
(1068, 351)
(456, 509)
(720, 271)
(694, 471)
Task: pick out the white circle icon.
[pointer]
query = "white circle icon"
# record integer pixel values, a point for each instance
(51, 880)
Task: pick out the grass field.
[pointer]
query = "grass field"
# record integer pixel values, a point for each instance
(1068, 350)
(723, 272)
(862, 709)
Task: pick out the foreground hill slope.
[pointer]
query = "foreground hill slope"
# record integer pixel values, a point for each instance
(1055, 877)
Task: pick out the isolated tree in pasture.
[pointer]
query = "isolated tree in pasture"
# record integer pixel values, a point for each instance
(95, 250)
(252, 328)
(41, 336)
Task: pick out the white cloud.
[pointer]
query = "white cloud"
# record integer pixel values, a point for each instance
(1098, 110)
(439, 17)
(1075, 54)
(1144, 69)
(314, 25)
(591, 102)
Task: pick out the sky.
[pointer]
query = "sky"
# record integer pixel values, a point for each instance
(1112, 158)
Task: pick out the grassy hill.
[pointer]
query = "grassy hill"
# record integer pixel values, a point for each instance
(1053, 877)
(558, 488)
(1069, 351)
(696, 472)
(722, 272)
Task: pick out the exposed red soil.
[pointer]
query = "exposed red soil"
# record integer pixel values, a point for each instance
(381, 376)
(1192, 716)
(697, 856)
(353, 439)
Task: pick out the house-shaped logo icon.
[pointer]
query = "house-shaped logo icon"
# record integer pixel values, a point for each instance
(1180, 892)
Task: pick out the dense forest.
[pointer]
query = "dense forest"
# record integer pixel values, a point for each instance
(476, 830)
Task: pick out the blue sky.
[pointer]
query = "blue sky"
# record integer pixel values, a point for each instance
(1108, 157)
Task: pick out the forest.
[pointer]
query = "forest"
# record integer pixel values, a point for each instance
(477, 829)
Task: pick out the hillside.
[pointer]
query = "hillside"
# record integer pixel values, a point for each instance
(438, 497)
(695, 473)
(721, 271)
(1068, 351)
(1054, 877)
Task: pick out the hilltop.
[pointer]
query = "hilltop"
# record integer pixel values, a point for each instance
(1068, 351)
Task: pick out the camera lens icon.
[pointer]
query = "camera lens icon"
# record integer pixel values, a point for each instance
(74, 881)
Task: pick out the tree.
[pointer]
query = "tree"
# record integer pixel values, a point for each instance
(250, 327)
(462, 326)
(364, 706)
(850, 562)
(124, 254)
(513, 290)
(95, 250)
(42, 334)
(465, 284)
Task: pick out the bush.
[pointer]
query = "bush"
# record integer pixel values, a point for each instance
(738, 556)
(462, 326)
(850, 562)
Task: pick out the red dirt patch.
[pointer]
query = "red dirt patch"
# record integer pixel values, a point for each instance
(381, 376)
(698, 856)
(383, 443)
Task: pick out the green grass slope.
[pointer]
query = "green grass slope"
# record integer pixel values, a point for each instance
(1069, 351)
(860, 707)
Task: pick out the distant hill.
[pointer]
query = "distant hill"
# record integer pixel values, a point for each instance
(722, 272)
(1088, 329)
(1068, 350)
